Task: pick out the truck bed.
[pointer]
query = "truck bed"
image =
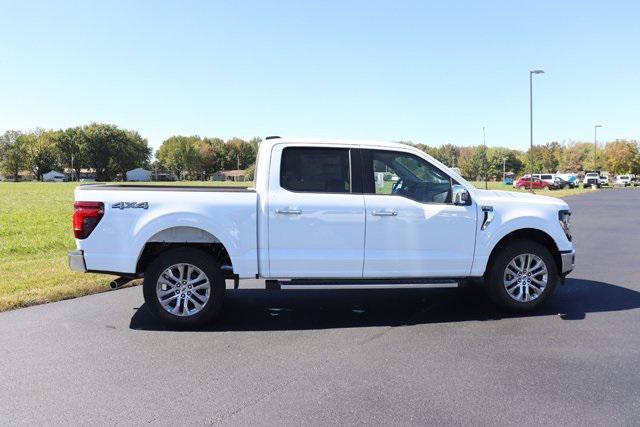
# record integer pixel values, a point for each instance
(135, 214)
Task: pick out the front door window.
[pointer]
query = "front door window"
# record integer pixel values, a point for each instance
(403, 174)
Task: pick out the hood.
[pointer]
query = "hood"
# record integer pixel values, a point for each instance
(489, 197)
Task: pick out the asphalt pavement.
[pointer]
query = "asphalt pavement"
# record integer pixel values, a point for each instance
(401, 357)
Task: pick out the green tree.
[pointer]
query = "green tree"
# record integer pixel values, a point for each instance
(532, 160)
(473, 162)
(41, 151)
(239, 154)
(12, 155)
(127, 150)
(550, 155)
(621, 156)
(110, 150)
(181, 155)
(432, 151)
(255, 144)
(575, 156)
(218, 152)
(72, 145)
(250, 173)
(501, 157)
(448, 154)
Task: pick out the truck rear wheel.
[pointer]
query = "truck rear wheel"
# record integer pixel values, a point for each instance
(184, 288)
(522, 276)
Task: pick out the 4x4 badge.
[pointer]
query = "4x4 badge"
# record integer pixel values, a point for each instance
(127, 205)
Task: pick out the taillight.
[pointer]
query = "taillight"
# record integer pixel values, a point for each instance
(86, 215)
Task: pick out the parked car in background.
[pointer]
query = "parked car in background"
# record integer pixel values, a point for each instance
(570, 178)
(624, 180)
(54, 176)
(526, 183)
(604, 180)
(546, 177)
(559, 184)
(591, 178)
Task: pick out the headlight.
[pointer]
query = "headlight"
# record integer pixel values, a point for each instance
(564, 217)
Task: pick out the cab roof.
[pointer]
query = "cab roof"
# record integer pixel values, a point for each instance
(272, 140)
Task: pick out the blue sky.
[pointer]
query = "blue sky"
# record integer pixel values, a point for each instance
(426, 71)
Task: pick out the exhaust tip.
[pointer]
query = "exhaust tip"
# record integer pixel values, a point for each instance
(119, 282)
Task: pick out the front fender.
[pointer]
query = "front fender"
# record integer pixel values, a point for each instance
(488, 239)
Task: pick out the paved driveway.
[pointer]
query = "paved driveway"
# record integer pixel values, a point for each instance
(347, 357)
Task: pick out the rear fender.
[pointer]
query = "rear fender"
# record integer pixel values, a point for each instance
(222, 230)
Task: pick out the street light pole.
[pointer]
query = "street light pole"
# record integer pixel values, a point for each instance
(504, 169)
(531, 73)
(484, 159)
(595, 145)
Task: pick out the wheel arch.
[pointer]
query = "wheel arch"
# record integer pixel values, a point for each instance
(184, 236)
(530, 234)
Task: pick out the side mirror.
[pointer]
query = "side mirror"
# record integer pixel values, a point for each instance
(460, 195)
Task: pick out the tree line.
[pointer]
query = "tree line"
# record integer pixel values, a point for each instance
(480, 162)
(110, 151)
(106, 149)
(193, 157)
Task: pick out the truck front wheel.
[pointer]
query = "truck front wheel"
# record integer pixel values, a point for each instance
(522, 276)
(184, 288)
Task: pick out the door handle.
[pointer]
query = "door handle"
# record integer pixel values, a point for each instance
(289, 211)
(384, 213)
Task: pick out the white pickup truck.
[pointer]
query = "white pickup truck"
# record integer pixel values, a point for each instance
(321, 216)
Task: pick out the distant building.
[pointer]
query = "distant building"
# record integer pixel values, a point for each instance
(85, 174)
(139, 174)
(218, 176)
(54, 176)
(230, 175)
(164, 176)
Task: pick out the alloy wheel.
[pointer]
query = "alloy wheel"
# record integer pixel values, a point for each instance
(183, 289)
(525, 277)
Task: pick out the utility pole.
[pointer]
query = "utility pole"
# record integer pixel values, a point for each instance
(504, 169)
(531, 73)
(595, 145)
(484, 158)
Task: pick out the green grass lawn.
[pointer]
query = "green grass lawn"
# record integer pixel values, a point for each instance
(36, 233)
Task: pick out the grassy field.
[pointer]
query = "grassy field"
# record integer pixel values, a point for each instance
(35, 235)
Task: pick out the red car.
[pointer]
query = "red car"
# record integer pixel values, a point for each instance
(525, 184)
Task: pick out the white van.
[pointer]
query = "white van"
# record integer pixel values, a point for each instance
(549, 178)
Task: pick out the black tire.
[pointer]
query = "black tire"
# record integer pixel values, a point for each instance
(202, 261)
(494, 279)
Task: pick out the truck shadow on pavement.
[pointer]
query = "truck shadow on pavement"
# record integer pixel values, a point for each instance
(262, 310)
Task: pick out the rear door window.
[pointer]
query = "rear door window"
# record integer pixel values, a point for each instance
(316, 170)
